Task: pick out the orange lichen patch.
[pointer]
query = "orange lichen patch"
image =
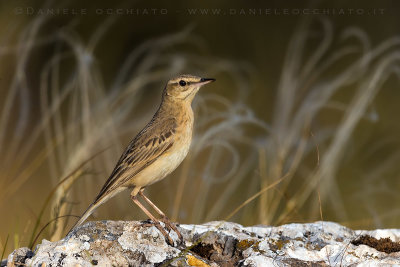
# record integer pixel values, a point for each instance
(193, 261)
(383, 244)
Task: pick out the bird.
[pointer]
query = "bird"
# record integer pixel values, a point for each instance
(156, 151)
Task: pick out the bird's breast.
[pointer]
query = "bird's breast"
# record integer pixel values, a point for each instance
(171, 159)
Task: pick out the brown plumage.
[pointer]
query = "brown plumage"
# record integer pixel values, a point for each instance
(157, 150)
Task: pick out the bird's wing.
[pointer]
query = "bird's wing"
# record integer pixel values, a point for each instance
(153, 141)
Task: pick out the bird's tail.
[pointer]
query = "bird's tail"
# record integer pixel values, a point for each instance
(84, 216)
(100, 199)
(88, 212)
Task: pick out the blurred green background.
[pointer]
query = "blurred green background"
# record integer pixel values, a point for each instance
(304, 110)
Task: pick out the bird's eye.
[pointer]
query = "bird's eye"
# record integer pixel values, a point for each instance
(182, 83)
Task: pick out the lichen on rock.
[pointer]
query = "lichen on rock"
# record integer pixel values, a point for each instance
(110, 243)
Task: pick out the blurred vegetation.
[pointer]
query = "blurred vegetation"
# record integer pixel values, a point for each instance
(303, 116)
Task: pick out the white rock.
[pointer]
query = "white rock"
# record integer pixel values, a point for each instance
(111, 243)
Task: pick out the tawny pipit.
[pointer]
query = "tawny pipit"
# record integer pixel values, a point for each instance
(156, 151)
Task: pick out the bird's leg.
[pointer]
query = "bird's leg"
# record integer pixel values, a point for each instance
(164, 217)
(156, 222)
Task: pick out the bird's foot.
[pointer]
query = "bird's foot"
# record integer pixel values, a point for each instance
(171, 226)
(165, 234)
(150, 223)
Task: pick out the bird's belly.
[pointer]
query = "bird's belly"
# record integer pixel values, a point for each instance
(163, 166)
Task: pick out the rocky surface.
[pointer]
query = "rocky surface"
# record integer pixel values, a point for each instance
(110, 243)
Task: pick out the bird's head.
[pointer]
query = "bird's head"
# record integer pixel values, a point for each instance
(185, 87)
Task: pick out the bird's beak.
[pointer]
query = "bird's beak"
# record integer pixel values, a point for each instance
(204, 81)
